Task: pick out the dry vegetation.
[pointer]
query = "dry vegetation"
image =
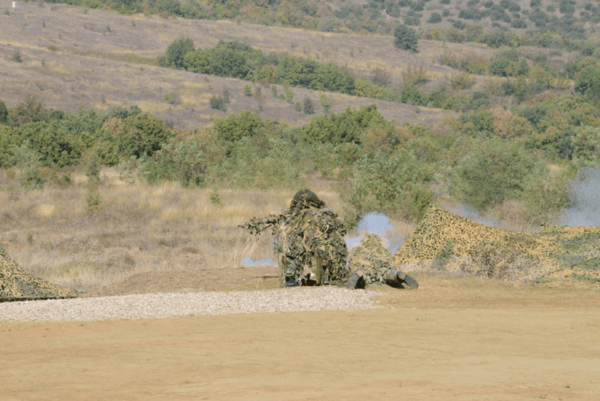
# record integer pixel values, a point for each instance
(138, 229)
(61, 45)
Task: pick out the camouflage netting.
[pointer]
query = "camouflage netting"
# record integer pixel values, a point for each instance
(449, 242)
(16, 284)
(370, 256)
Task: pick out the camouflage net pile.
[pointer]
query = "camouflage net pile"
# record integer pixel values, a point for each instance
(18, 285)
(371, 256)
(448, 242)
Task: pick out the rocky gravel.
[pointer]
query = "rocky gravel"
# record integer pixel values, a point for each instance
(166, 305)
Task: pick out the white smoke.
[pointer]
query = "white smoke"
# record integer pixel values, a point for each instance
(469, 212)
(584, 193)
(378, 224)
(248, 262)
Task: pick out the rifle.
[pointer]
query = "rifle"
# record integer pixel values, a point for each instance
(274, 221)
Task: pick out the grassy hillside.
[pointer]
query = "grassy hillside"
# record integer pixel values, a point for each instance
(59, 46)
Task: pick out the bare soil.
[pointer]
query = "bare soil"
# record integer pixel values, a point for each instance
(453, 339)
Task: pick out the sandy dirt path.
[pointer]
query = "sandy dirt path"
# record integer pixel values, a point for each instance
(453, 339)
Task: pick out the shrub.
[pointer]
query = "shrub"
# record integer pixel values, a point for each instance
(177, 50)
(414, 75)
(411, 94)
(30, 110)
(405, 38)
(307, 106)
(461, 80)
(142, 135)
(181, 160)
(3, 113)
(217, 102)
(491, 172)
(434, 18)
(172, 98)
(588, 83)
(235, 127)
(16, 56)
(247, 89)
(289, 95)
(394, 184)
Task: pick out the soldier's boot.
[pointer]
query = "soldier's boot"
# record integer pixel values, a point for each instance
(356, 281)
(404, 278)
(290, 281)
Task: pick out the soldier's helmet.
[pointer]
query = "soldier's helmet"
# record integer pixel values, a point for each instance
(306, 199)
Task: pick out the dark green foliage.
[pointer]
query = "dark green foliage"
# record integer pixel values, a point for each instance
(217, 102)
(52, 142)
(339, 128)
(518, 24)
(182, 160)
(588, 83)
(122, 112)
(307, 106)
(405, 38)
(491, 172)
(434, 18)
(383, 183)
(411, 94)
(238, 60)
(3, 113)
(142, 135)
(177, 51)
(30, 110)
(235, 127)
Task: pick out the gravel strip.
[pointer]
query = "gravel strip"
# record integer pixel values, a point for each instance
(152, 306)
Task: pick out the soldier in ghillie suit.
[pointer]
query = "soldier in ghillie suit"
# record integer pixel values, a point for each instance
(370, 262)
(309, 241)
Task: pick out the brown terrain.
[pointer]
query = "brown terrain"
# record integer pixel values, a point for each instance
(73, 57)
(455, 338)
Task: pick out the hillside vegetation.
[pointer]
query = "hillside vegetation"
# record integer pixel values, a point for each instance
(495, 116)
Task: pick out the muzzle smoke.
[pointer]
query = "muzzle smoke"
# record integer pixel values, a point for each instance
(584, 195)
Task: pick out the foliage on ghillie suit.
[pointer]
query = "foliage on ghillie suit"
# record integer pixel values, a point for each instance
(18, 285)
(308, 240)
(454, 243)
(372, 260)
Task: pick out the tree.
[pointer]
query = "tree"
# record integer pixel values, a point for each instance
(307, 106)
(434, 18)
(142, 135)
(588, 83)
(405, 38)
(177, 50)
(3, 113)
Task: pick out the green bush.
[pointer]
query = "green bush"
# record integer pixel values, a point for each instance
(177, 51)
(3, 113)
(181, 160)
(492, 171)
(434, 18)
(307, 106)
(588, 83)
(235, 127)
(405, 38)
(383, 183)
(142, 135)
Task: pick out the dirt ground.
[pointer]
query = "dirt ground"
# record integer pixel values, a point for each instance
(453, 339)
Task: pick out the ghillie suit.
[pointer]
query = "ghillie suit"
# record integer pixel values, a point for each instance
(18, 285)
(370, 262)
(308, 240)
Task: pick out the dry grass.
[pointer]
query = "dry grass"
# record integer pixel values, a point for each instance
(73, 43)
(137, 229)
